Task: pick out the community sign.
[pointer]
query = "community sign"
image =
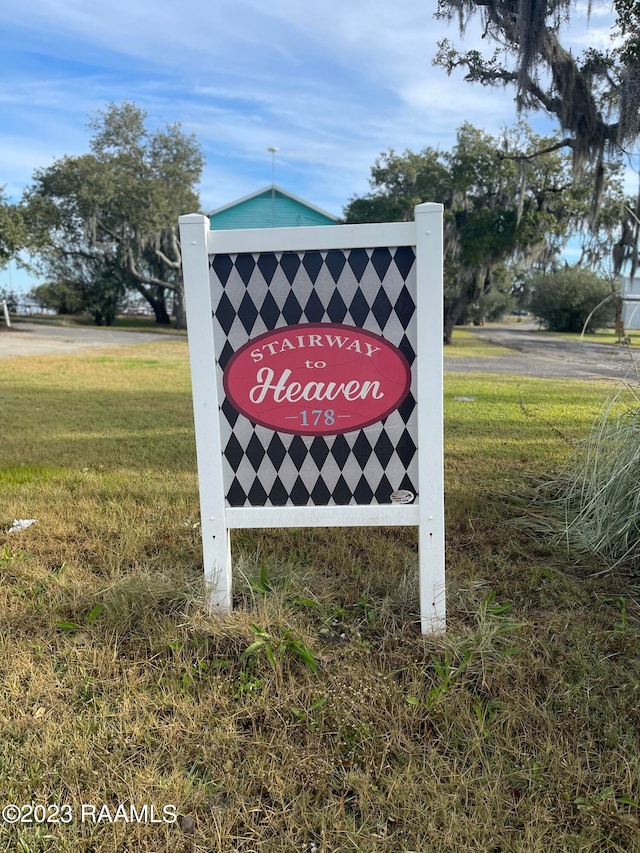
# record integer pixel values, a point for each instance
(316, 360)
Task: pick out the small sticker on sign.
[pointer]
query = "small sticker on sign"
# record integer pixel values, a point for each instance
(402, 496)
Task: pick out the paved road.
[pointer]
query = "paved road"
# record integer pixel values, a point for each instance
(36, 339)
(535, 354)
(531, 353)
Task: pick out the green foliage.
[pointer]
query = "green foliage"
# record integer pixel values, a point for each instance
(62, 297)
(628, 24)
(593, 95)
(497, 212)
(261, 584)
(398, 183)
(67, 626)
(12, 230)
(286, 647)
(447, 673)
(10, 297)
(107, 221)
(494, 305)
(565, 300)
(313, 717)
(94, 286)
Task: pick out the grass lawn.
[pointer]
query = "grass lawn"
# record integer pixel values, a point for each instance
(315, 717)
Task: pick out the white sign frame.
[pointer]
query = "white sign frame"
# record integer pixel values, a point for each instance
(427, 512)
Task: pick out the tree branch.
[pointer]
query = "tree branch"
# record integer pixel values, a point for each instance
(564, 143)
(175, 265)
(147, 279)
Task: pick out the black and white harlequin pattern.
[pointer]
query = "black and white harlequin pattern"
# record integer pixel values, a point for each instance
(373, 289)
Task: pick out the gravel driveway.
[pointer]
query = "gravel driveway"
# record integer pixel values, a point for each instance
(530, 353)
(37, 339)
(535, 354)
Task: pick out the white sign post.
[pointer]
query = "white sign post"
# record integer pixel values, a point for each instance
(316, 363)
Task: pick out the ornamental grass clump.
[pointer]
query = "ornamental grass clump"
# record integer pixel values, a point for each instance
(598, 498)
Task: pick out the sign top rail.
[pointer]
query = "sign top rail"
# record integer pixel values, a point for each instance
(311, 238)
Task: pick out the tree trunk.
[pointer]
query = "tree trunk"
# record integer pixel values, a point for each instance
(452, 314)
(468, 294)
(160, 310)
(178, 305)
(155, 296)
(617, 302)
(448, 330)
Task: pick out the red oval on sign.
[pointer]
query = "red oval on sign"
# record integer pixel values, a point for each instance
(317, 379)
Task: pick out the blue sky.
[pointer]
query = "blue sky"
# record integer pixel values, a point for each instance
(330, 84)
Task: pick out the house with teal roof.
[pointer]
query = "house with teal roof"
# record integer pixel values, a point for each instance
(271, 207)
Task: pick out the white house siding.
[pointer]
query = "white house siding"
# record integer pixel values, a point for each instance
(630, 302)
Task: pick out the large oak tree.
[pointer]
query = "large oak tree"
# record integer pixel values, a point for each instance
(111, 216)
(594, 95)
(497, 210)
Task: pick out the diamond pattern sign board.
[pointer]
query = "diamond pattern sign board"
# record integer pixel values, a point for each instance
(317, 378)
(336, 290)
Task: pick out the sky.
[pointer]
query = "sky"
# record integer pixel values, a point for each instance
(330, 84)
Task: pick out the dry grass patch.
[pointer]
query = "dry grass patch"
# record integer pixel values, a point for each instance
(315, 716)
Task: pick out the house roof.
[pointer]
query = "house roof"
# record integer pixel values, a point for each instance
(281, 192)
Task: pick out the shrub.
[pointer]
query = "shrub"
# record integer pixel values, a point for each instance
(490, 307)
(597, 501)
(11, 298)
(59, 296)
(563, 300)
